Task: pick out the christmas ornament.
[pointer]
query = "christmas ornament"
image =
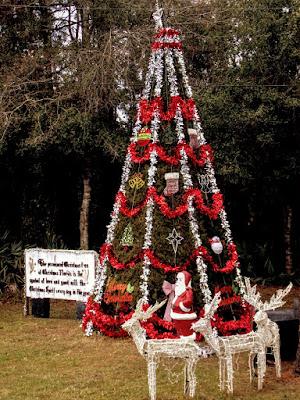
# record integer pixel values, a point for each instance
(204, 183)
(194, 141)
(144, 136)
(216, 245)
(127, 238)
(174, 239)
(172, 185)
(136, 181)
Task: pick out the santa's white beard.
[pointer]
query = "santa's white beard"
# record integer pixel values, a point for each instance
(179, 289)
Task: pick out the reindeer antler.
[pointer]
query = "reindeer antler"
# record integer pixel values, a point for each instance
(143, 315)
(276, 300)
(212, 307)
(254, 298)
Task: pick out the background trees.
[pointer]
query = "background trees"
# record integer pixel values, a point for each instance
(68, 68)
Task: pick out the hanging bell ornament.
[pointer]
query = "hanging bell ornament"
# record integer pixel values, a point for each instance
(172, 185)
(216, 245)
(136, 181)
(144, 136)
(194, 141)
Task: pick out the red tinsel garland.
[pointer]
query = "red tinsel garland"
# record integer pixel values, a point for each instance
(212, 212)
(111, 325)
(148, 107)
(166, 45)
(167, 32)
(224, 289)
(244, 323)
(107, 324)
(204, 153)
(106, 251)
(244, 319)
(229, 265)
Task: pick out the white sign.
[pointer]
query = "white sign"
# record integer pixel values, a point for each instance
(60, 274)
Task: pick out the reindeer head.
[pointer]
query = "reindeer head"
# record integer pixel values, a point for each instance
(261, 318)
(203, 325)
(140, 315)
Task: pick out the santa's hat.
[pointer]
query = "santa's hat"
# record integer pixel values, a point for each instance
(187, 278)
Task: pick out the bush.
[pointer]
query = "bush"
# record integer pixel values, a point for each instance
(11, 264)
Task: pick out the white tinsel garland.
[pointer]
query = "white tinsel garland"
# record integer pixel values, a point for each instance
(149, 75)
(185, 79)
(159, 68)
(155, 123)
(171, 73)
(187, 184)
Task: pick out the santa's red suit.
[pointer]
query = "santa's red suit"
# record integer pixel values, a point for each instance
(182, 312)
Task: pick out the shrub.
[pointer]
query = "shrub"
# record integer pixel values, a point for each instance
(11, 263)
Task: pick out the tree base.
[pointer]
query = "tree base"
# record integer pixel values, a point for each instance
(289, 333)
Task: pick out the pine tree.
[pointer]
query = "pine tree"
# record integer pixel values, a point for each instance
(168, 215)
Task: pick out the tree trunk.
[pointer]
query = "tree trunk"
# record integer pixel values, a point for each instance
(288, 240)
(84, 211)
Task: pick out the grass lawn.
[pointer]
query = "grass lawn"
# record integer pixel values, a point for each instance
(51, 359)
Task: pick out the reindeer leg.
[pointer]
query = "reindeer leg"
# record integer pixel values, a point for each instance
(261, 367)
(152, 377)
(229, 366)
(251, 365)
(222, 373)
(276, 352)
(186, 378)
(191, 366)
(189, 377)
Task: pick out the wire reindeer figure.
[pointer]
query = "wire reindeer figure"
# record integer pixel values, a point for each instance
(226, 346)
(267, 330)
(155, 349)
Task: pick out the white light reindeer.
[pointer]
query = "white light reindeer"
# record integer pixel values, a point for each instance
(226, 346)
(267, 330)
(153, 349)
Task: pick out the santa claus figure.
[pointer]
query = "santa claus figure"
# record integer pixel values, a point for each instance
(182, 312)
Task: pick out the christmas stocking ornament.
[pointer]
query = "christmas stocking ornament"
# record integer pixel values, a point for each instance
(172, 185)
(194, 142)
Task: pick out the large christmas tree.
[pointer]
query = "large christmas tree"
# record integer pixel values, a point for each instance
(168, 215)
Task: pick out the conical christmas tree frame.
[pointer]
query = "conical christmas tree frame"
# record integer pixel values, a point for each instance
(168, 187)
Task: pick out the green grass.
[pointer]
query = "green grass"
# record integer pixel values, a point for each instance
(51, 359)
